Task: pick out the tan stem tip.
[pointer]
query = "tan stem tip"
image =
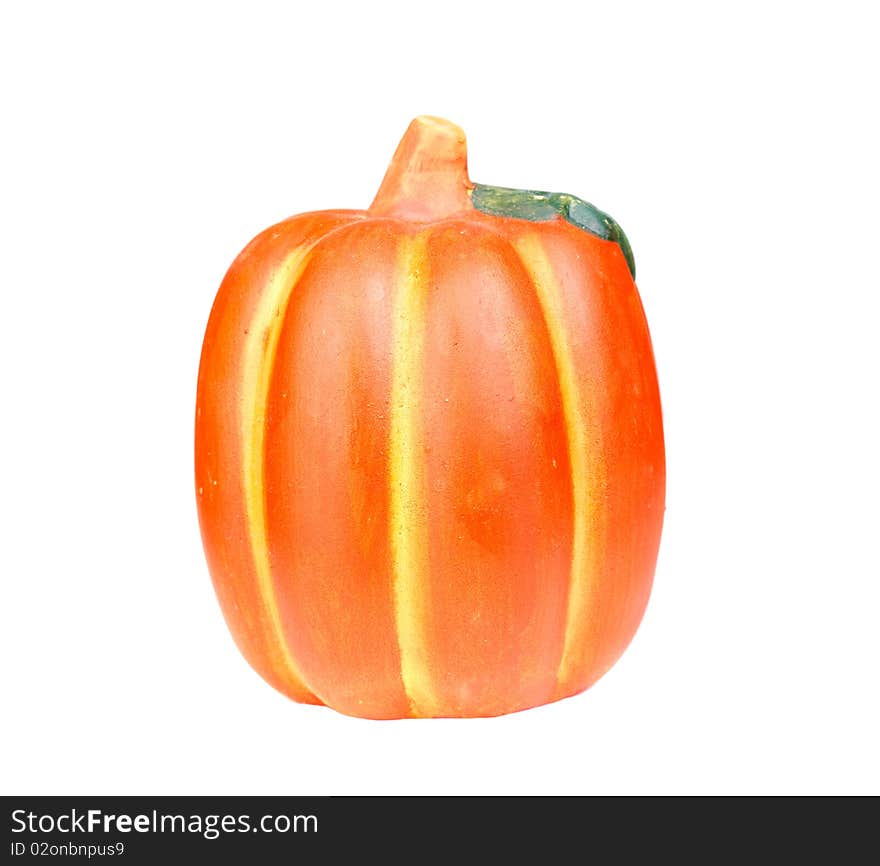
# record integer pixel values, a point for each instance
(427, 178)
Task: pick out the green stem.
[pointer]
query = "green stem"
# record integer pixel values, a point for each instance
(536, 206)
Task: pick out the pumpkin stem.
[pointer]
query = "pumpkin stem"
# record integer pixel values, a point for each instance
(427, 179)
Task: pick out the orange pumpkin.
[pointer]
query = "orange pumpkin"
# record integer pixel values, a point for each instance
(429, 450)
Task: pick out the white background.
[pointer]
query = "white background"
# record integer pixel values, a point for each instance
(142, 148)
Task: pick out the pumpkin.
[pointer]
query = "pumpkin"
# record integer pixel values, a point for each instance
(428, 446)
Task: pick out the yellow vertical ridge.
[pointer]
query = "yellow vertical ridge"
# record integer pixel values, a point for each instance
(259, 354)
(586, 471)
(407, 512)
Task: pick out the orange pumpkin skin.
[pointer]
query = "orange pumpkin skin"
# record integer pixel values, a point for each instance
(429, 451)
